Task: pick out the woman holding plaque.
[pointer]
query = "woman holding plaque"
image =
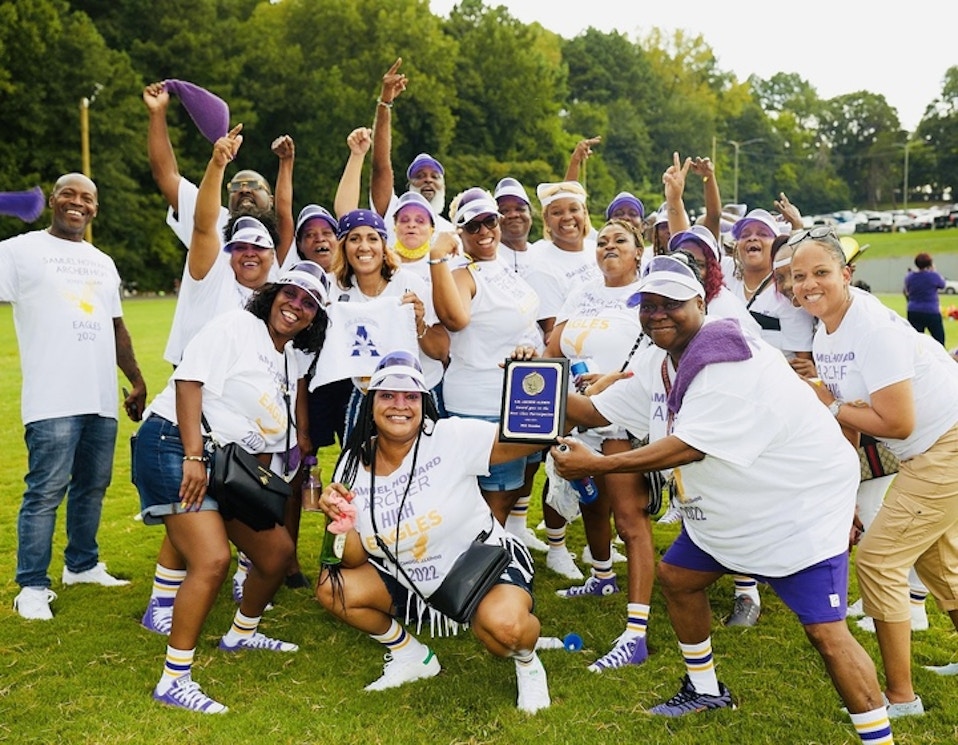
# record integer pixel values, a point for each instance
(427, 511)
(489, 310)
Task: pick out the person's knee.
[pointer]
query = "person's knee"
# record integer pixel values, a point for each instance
(212, 566)
(275, 557)
(668, 577)
(830, 639)
(634, 527)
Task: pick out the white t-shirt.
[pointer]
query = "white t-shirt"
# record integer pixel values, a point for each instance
(244, 379)
(727, 305)
(199, 300)
(775, 492)
(797, 326)
(65, 295)
(555, 272)
(520, 261)
(600, 330)
(402, 280)
(444, 510)
(870, 350)
(502, 315)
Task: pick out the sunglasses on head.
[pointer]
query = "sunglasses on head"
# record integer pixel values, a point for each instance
(817, 233)
(475, 226)
(246, 185)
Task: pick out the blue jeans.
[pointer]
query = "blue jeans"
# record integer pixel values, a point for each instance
(72, 453)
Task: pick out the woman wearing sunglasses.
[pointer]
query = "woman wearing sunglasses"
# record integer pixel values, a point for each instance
(879, 377)
(489, 310)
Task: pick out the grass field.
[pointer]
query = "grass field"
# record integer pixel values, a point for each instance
(86, 676)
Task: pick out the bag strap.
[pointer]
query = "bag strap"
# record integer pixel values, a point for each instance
(758, 290)
(402, 503)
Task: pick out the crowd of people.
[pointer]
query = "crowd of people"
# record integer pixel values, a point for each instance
(727, 363)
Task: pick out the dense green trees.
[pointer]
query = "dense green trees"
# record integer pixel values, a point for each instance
(489, 95)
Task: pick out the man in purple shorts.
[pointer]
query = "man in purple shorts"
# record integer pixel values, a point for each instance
(743, 436)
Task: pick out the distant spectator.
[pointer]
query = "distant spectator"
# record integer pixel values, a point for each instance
(921, 290)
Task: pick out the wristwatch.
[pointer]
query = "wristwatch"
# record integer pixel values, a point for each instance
(834, 406)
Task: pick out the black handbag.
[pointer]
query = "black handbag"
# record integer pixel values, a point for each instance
(471, 576)
(245, 489)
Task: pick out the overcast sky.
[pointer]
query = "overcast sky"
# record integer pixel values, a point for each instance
(899, 50)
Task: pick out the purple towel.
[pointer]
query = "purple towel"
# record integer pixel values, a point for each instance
(717, 341)
(208, 111)
(27, 205)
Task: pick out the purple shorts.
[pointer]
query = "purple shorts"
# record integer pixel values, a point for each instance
(816, 594)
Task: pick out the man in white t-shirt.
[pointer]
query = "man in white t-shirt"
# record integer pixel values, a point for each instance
(66, 310)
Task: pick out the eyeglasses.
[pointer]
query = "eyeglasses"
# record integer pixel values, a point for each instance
(246, 185)
(817, 233)
(475, 226)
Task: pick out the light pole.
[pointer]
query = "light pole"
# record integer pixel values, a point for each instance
(85, 144)
(738, 146)
(904, 186)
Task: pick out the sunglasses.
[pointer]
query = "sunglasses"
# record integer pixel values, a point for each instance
(814, 234)
(475, 226)
(246, 185)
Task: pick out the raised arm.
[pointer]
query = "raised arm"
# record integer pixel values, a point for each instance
(789, 211)
(285, 149)
(452, 292)
(166, 173)
(713, 199)
(674, 181)
(347, 193)
(205, 243)
(381, 186)
(582, 152)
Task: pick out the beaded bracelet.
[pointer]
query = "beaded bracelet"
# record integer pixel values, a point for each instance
(387, 104)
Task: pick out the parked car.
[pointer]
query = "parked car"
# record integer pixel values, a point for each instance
(951, 287)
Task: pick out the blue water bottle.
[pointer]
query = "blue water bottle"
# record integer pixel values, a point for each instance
(586, 489)
(577, 369)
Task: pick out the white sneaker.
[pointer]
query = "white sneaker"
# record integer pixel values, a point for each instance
(919, 620)
(672, 515)
(532, 541)
(617, 558)
(33, 603)
(533, 687)
(98, 575)
(559, 560)
(396, 672)
(855, 610)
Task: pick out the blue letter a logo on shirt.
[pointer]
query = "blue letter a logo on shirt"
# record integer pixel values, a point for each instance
(363, 345)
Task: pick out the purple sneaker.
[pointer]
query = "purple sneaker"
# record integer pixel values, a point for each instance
(186, 694)
(690, 701)
(592, 586)
(158, 617)
(259, 641)
(631, 651)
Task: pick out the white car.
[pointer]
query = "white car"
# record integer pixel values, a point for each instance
(951, 287)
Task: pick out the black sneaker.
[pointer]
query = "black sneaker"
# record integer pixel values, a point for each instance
(690, 701)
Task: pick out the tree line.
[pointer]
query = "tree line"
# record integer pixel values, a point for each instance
(488, 95)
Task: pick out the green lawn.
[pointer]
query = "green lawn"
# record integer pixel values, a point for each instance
(86, 676)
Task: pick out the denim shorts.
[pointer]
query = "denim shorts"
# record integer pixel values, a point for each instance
(157, 470)
(503, 476)
(816, 594)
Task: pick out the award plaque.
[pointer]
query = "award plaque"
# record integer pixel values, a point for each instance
(533, 400)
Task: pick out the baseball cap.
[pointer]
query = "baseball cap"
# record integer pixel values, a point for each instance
(249, 230)
(697, 234)
(759, 216)
(398, 371)
(510, 187)
(473, 203)
(415, 199)
(623, 199)
(421, 161)
(309, 276)
(313, 211)
(670, 277)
